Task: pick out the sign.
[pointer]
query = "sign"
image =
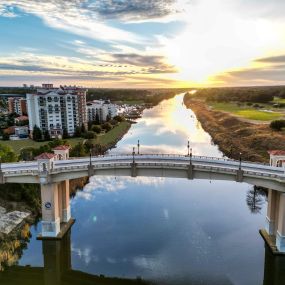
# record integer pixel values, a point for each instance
(48, 205)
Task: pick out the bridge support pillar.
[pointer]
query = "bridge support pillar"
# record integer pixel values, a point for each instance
(50, 210)
(272, 212)
(56, 216)
(65, 213)
(280, 235)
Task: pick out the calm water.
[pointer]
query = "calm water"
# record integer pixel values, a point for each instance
(170, 231)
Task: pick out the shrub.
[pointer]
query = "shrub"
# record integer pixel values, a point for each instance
(107, 127)
(96, 129)
(119, 118)
(89, 135)
(113, 122)
(277, 125)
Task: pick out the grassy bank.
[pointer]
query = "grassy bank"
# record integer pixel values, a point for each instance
(106, 139)
(247, 112)
(234, 136)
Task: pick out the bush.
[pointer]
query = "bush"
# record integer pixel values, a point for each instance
(113, 122)
(5, 137)
(119, 118)
(89, 135)
(96, 129)
(277, 125)
(107, 127)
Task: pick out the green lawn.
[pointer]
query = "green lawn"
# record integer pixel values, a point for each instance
(247, 112)
(103, 139)
(278, 100)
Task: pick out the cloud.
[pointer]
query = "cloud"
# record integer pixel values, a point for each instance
(7, 11)
(133, 9)
(152, 63)
(73, 16)
(272, 59)
(254, 76)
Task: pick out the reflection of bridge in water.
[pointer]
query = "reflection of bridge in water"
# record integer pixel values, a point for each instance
(53, 172)
(58, 270)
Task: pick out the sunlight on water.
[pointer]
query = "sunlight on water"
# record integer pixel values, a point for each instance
(166, 128)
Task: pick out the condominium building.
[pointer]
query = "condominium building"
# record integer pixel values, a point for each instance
(17, 105)
(101, 110)
(55, 109)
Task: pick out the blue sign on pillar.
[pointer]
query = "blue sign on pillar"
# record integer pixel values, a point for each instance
(48, 205)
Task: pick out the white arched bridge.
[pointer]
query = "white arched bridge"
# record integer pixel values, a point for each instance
(148, 165)
(53, 173)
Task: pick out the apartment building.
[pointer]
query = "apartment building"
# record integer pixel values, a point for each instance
(55, 109)
(17, 105)
(101, 109)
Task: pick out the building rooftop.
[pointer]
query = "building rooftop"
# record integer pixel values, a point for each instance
(276, 152)
(45, 155)
(62, 147)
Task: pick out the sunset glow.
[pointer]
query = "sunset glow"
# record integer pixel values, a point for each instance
(165, 43)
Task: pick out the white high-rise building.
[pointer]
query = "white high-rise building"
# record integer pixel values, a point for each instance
(101, 109)
(55, 109)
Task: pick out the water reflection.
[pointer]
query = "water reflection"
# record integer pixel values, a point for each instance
(166, 129)
(58, 270)
(256, 198)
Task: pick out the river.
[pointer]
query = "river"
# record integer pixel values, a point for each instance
(169, 231)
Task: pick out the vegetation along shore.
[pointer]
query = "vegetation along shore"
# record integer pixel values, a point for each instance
(234, 131)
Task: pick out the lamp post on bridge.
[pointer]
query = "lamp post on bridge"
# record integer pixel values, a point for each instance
(133, 155)
(240, 160)
(190, 156)
(90, 156)
(138, 146)
(188, 147)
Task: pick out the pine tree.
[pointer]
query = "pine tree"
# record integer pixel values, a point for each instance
(37, 134)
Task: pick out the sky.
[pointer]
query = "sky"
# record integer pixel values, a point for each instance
(142, 44)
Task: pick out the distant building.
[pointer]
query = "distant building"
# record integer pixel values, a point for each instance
(21, 119)
(102, 110)
(55, 109)
(22, 132)
(17, 105)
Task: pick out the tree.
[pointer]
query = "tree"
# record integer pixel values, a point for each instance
(108, 118)
(277, 125)
(5, 136)
(46, 135)
(27, 153)
(96, 129)
(77, 132)
(83, 129)
(7, 154)
(119, 118)
(97, 119)
(37, 134)
(107, 126)
(78, 150)
(89, 135)
(65, 134)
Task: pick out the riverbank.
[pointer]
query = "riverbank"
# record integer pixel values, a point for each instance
(108, 139)
(234, 136)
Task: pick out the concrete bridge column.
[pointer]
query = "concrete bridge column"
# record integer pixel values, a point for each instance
(50, 210)
(65, 205)
(272, 212)
(280, 236)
